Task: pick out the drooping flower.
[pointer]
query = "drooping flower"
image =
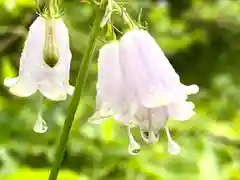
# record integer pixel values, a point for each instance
(138, 87)
(44, 64)
(45, 61)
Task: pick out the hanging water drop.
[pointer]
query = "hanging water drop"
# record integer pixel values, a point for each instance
(173, 147)
(40, 125)
(133, 147)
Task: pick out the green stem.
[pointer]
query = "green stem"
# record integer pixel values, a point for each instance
(81, 78)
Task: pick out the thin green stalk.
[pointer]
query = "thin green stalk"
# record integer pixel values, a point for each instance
(81, 78)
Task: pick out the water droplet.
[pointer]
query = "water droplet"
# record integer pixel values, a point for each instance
(173, 147)
(133, 148)
(40, 125)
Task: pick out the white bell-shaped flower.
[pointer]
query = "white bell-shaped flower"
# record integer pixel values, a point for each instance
(47, 37)
(147, 73)
(110, 97)
(138, 86)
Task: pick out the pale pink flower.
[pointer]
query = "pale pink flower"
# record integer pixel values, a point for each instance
(139, 87)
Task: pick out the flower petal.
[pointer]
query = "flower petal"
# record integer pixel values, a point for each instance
(70, 90)
(62, 69)
(159, 117)
(53, 82)
(52, 89)
(9, 82)
(148, 74)
(110, 85)
(30, 61)
(181, 110)
(32, 55)
(21, 87)
(192, 89)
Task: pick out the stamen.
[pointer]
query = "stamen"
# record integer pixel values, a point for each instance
(40, 125)
(173, 147)
(133, 147)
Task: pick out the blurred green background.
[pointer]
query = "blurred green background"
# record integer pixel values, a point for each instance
(201, 38)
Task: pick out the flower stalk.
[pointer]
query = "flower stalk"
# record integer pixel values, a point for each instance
(81, 78)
